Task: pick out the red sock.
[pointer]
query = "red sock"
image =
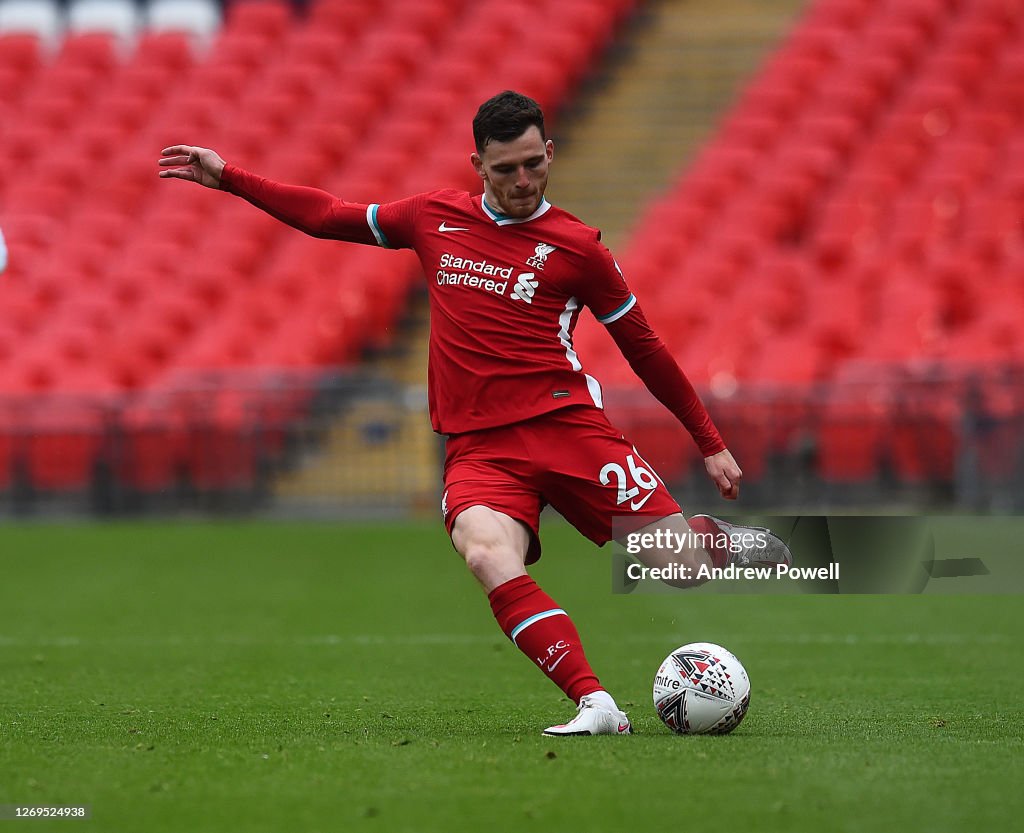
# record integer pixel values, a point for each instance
(545, 633)
(713, 539)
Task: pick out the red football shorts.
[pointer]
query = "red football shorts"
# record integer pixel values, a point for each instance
(572, 459)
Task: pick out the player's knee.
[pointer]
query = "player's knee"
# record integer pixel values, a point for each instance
(493, 545)
(485, 554)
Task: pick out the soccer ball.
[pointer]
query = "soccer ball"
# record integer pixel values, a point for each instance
(701, 689)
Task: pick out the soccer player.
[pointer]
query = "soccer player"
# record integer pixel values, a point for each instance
(508, 274)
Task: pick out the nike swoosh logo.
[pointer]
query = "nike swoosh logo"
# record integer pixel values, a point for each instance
(638, 504)
(554, 665)
(445, 227)
(623, 727)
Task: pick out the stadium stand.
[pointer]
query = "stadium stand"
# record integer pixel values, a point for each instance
(852, 238)
(839, 268)
(135, 342)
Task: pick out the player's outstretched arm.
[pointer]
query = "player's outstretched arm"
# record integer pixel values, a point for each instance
(310, 210)
(725, 472)
(191, 163)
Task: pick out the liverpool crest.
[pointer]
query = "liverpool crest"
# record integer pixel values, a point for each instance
(540, 256)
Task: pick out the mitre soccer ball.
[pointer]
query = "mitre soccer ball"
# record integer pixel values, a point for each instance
(701, 689)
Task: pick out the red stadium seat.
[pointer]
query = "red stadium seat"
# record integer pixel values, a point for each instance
(94, 52)
(9, 440)
(164, 51)
(156, 445)
(427, 18)
(62, 445)
(20, 53)
(316, 47)
(923, 440)
(223, 449)
(340, 17)
(847, 14)
(266, 19)
(850, 441)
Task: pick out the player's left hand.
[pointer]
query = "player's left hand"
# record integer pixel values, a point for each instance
(191, 163)
(725, 472)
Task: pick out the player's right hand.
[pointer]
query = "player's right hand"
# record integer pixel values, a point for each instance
(195, 164)
(725, 472)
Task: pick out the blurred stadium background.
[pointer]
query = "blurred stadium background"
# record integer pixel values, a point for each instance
(819, 205)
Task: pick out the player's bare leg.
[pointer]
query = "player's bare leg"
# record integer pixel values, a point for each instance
(494, 546)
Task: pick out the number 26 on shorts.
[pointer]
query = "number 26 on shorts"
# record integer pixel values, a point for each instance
(639, 474)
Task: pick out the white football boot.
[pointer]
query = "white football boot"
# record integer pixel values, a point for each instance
(593, 718)
(773, 552)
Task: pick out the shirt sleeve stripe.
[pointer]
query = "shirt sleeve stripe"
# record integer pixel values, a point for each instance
(378, 232)
(615, 315)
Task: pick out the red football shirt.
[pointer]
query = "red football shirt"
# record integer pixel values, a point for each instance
(505, 296)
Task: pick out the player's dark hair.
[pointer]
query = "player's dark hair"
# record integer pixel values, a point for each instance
(505, 117)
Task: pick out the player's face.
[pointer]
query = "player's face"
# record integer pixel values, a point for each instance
(515, 173)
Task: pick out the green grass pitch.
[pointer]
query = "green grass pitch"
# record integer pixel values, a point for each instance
(271, 677)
